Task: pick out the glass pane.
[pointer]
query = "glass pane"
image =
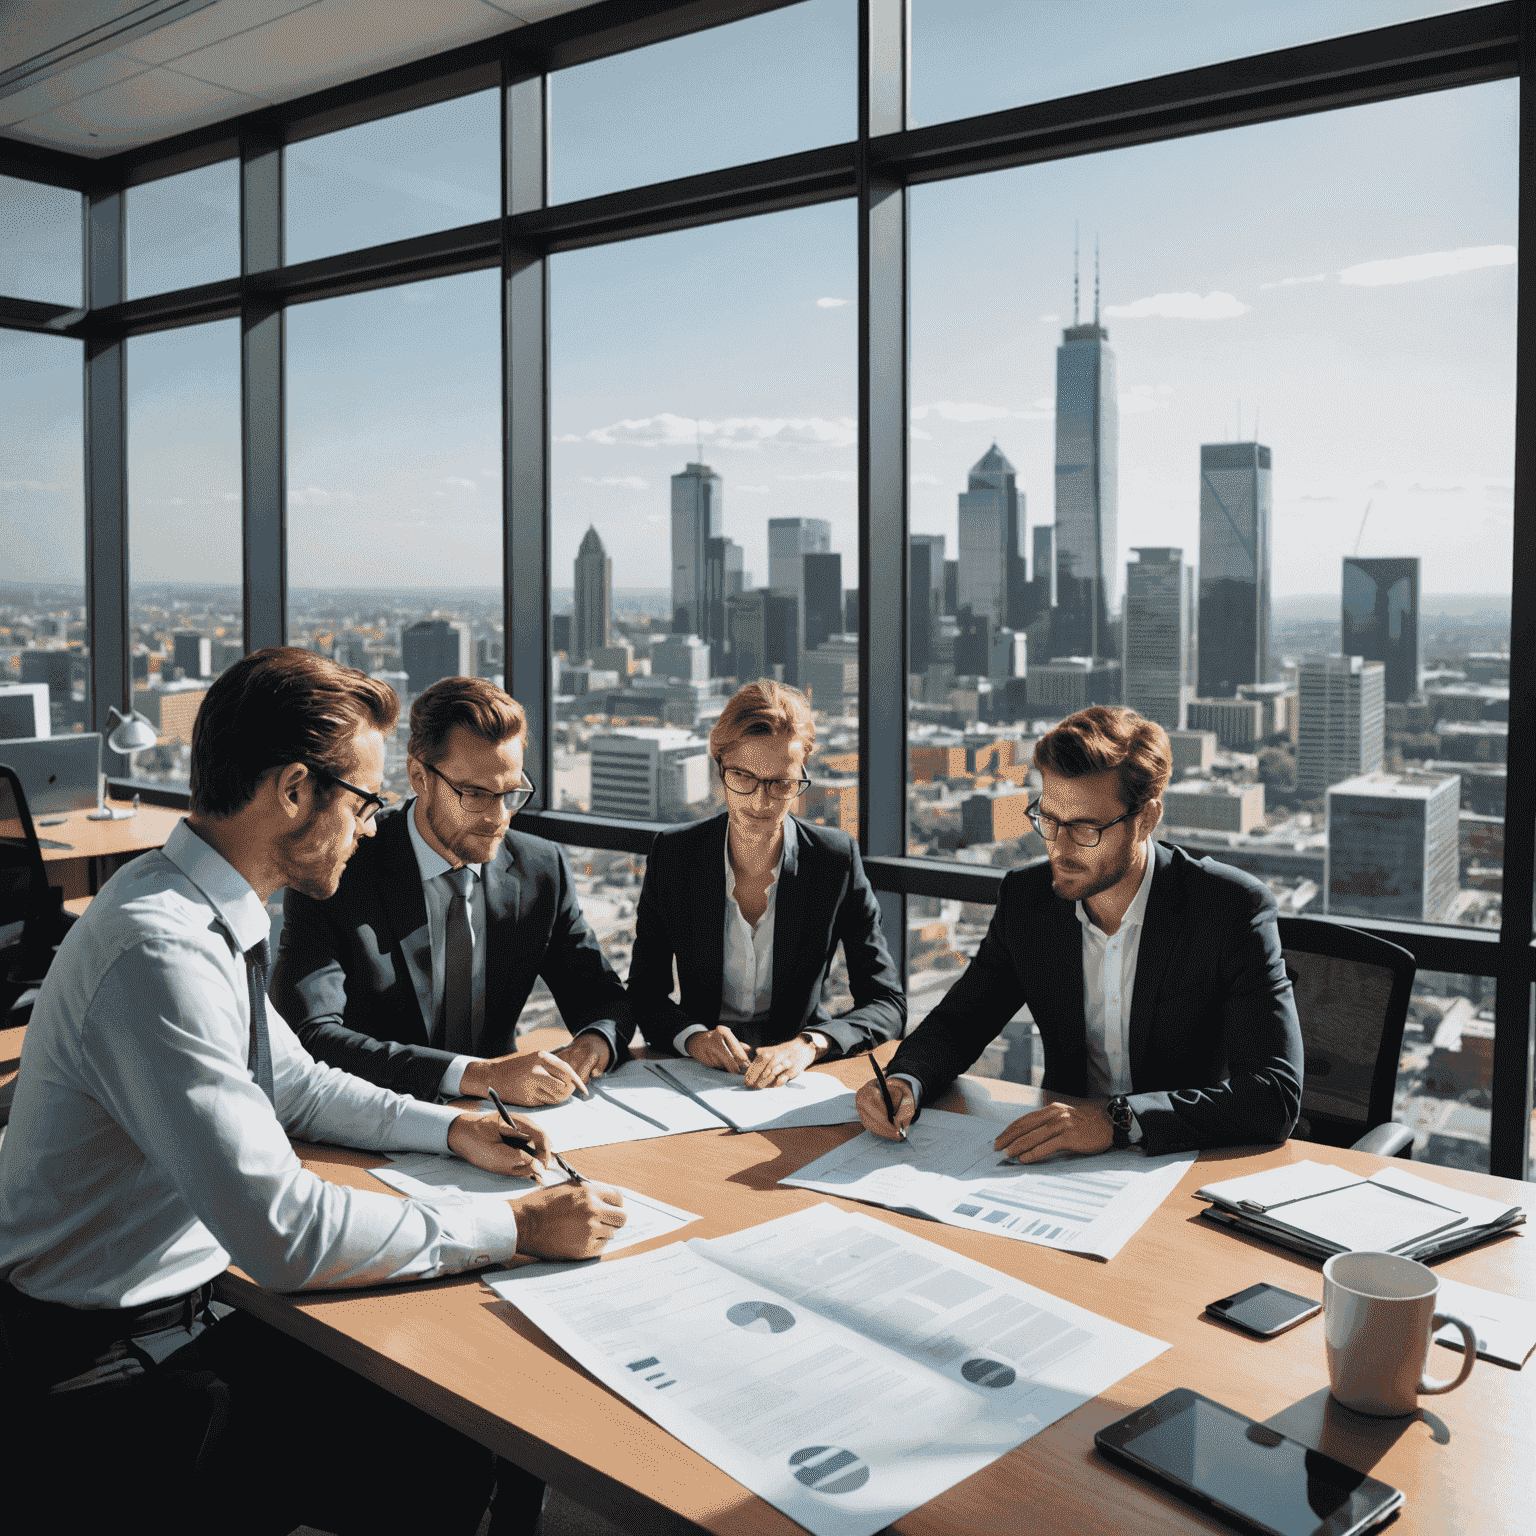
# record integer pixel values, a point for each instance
(184, 556)
(40, 235)
(434, 168)
(974, 56)
(1210, 482)
(43, 636)
(770, 85)
(704, 505)
(184, 230)
(1445, 1076)
(394, 485)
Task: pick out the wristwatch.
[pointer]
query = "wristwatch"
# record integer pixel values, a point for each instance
(817, 1042)
(1119, 1111)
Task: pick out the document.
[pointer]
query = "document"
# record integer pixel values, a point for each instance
(430, 1176)
(843, 1370)
(948, 1170)
(1505, 1325)
(813, 1098)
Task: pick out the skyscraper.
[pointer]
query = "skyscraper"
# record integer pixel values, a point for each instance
(991, 581)
(1393, 846)
(764, 632)
(698, 505)
(823, 585)
(790, 540)
(925, 598)
(593, 617)
(1087, 486)
(723, 578)
(1234, 567)
(1342, 706)
(1381, 619)
(1156, 637)
(433, 649)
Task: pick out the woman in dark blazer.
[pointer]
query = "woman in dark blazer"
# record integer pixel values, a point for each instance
(752, 905)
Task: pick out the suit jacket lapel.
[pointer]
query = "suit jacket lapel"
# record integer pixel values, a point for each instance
(406, 909)
(505, 879)
(1064, 938)
(707, 908)
(788, 921)
(1159, 931)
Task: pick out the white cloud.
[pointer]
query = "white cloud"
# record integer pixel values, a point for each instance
(1294, 282)
(752, 490)
(968, 411)
(832, 303)
(926, 480)
(1414, 269)
(1141, 398)
(458, 480)
(1417, 489)
(1181, 306)
(1309, 497)
(624, 482)
(843, 476)
(314, 496)
(668, 431)
(569, 437)
(1049, 319)
(40, 485)
(920, 436)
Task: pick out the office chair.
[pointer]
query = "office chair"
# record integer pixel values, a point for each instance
(1352, 993)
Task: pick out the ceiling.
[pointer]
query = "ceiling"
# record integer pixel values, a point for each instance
(94, 77)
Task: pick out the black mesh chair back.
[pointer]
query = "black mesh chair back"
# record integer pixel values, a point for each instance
(1352, 992)
(23, 881)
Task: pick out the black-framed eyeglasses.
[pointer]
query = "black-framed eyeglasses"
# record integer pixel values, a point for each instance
(372, 803)
(1085, 834)
(740, 782)
(482, 802)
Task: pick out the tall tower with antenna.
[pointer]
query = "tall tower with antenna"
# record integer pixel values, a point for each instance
(1087, 483)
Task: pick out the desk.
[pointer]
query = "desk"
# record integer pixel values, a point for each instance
(96, 848)
(452, 1348)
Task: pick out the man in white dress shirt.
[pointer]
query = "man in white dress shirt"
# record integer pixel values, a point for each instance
(148, 1149)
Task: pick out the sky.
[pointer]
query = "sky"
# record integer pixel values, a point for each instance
(1344, 281)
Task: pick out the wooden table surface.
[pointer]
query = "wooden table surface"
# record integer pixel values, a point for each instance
(94, 848)
(454, 1349)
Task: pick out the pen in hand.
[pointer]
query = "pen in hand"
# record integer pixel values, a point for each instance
(515, 1138)
(885, 1093)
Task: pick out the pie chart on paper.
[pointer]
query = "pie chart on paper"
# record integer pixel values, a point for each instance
(761, 1317)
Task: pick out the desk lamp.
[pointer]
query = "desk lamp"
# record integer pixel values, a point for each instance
(131, 737)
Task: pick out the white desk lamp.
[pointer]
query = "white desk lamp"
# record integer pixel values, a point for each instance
(131, 737)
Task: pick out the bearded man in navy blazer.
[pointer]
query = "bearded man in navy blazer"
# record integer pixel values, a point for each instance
(414, 973)
(1156, 980)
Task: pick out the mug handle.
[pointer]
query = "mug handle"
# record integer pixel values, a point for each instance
(1430, 1384)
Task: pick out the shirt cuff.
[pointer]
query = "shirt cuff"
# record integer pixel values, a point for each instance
(495, 1229)
(607, 1032)
(911, 1082)
(1135, 1131)
(681, 1038)
(420, 1127)
(453, 1076)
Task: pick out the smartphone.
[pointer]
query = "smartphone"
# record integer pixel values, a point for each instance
(1264, 1310)
(1243, 1472)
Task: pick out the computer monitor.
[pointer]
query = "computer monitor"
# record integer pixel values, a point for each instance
(24, 710)
(58, 773)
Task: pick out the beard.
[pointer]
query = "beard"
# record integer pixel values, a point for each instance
(1097, 882)
(468, 846)
(307, 865)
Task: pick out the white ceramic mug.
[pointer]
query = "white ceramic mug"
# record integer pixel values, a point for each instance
(1379, 1316)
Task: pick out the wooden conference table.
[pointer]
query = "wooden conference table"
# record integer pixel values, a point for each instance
(94, 849)
(452, 1348)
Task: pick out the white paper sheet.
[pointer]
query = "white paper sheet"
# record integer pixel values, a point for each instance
(843, 1370)
(1505, 1325)
(813, 1098)
(1279, 1186)
(948, 1170)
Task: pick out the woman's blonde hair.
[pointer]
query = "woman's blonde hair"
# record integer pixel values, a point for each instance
(764, 708)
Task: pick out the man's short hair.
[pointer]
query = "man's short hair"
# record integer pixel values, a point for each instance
(1110, 740)
(764, 708)
(278, 706)
(483, 709)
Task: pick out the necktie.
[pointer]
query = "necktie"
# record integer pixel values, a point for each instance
(458, 966)
(259, 1060)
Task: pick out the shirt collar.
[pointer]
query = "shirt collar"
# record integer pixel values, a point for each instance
(790, 837)
(428, 860)
(227, 891)
(1136, 913)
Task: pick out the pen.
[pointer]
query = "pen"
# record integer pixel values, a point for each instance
(515, 1138)
(885, 1093)
(687, 1092)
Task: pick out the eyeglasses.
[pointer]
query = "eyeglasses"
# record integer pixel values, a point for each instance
(372, 803)
(740, 782)
(1084, 833)
(484, 802)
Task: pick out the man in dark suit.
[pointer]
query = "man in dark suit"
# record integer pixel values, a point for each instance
(1156, 980)
(414, 973)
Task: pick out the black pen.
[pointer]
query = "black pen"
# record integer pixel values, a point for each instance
(885, 1093)
(523, 1144)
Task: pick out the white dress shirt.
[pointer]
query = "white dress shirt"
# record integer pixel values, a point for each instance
(141, 1156)
(746, 989)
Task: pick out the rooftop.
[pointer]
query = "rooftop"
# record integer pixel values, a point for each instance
(1393, 786)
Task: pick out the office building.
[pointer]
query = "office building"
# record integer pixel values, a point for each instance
(433, 649)
(1087, 489)
(172, 708)
(724, 578)
(193, 653)
(850, 610)
(823, 587)
(53, 668)
(560, 632)
(649, 773)
(1487, 667)
(1042, 575)
(1156, 647)
(1213, 805)
(790, 540)
(1380, 617)
(995, 816)
(991, 515)
(698, 510)
(592, 615)
(618, 657)
(1238, 724)
(1234, 568)
(951, 602)
(925, 597)
(830, 675)
(1065, 684)
(1192, 750)
(763, 630)
(1341, 709)
(1473, 741)
(1279, 707)
(1393, 844)
(685, 657)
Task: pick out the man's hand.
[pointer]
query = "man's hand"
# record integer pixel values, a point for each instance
(478, 1140)
(777, 1064)
(720, 1049)
(587, 1056)
(568, 1221)
(529, 1077)
(1056, 1128)
(871, 1107)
